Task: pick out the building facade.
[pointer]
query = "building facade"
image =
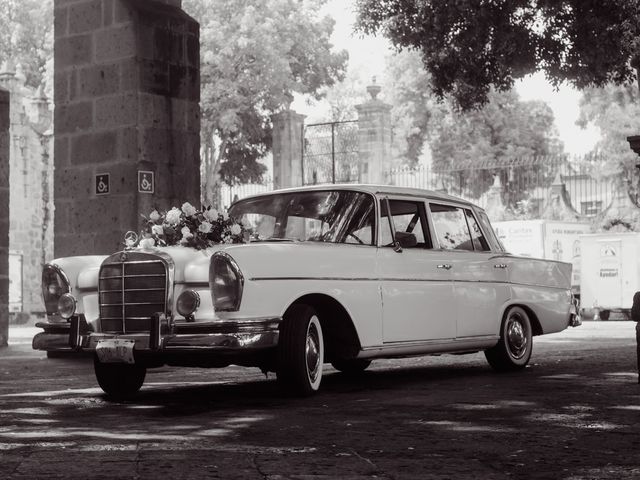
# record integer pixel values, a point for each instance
(31, 191)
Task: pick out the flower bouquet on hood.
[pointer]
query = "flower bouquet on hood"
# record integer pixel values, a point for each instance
(190, 227)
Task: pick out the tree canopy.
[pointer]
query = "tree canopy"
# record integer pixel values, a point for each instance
(472, 46)
(471, 146)
(26, 36)
(255, 55)
(615, 110)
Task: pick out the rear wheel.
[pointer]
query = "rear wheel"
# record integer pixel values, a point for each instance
(119, 380)
(513, 351)
(300, 350)
(351, 367)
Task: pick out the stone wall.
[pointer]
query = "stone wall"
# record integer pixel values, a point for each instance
(31, 203)
(127, 89)
(4, 217)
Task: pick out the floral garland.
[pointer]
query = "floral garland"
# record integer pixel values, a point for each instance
(190, 227)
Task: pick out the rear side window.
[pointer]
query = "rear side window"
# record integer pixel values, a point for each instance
(457, 229)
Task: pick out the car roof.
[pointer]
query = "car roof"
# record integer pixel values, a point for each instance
(374, 189)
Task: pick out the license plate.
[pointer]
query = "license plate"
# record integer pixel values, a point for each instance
(115, 351)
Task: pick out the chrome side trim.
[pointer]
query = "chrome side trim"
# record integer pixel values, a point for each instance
(423, 347)
(363, 279)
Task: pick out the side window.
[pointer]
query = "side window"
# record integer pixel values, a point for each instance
(407, 217)
(451, 227)
(480, 243)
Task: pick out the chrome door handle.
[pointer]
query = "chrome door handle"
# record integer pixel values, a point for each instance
(500, 265)
(446, 266)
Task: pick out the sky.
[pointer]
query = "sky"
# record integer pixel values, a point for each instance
(368, 54)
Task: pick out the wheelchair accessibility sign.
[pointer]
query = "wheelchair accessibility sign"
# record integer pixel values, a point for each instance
(146, 182)
(103, 184)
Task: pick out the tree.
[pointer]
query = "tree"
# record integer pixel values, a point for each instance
(616, 112)
(255, 55)
(468, 147)
(26, 33)
(470, 47)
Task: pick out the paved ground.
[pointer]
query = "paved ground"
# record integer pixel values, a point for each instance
(572, 414)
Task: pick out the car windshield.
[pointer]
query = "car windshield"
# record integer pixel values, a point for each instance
(334, 216)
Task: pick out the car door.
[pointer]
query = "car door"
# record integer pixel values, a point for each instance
(479, 275)
(416, 288)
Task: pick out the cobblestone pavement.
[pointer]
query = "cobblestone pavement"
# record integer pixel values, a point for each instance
(572, 414)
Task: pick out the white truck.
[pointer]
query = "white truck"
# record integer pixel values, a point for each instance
(610, 272)
(548, 239)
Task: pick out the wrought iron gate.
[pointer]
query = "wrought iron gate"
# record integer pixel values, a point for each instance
(330, 153)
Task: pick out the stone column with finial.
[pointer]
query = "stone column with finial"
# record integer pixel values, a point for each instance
(288, 133)
(374, 137)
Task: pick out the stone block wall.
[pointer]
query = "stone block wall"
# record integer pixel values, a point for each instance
(127, 91)
(4, 217)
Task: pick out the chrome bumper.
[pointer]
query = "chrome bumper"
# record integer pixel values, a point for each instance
(225, 336)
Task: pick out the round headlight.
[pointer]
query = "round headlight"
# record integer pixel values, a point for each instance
(188, 303)
(67, 306)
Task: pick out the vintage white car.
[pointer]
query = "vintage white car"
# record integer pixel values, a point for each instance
(338, 274)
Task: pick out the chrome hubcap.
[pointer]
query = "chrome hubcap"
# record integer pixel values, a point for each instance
(312, 351)
(516, 338)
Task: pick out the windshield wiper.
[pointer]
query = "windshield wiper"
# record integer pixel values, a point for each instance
(273, 239)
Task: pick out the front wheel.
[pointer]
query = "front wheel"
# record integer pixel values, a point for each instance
(119, 380)
(513, 351)
(300, 350)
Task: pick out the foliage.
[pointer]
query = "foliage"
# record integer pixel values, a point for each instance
(26, 36)
(190, 227)
(470, 146)
(470, 47)
(616, 112)
(255, 55)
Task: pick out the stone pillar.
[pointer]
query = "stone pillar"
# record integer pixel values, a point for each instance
(126, 90)
(374, 137)
(558, 206)
(288, 131)
(4, 216)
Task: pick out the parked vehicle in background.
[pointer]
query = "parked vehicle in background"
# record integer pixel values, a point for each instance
(610, 273)
(339, 274)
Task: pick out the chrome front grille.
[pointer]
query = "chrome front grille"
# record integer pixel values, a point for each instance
(132, 287)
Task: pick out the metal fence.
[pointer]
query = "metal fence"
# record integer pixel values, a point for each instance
(231, 193)
(525, 182)
(330, 153)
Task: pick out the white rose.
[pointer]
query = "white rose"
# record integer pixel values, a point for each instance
(225, 216)
(157, 230)
(173, 216)
(235, 229)
(188, 209)
(147, 243)
(211, 215)
(154, 216)
(186, 233)
(205, 227)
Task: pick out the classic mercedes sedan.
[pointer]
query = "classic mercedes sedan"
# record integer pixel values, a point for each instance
(337, 274)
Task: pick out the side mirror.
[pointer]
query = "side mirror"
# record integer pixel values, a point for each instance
(406, 240)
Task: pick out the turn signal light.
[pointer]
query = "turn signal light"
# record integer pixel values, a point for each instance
(188, 302)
